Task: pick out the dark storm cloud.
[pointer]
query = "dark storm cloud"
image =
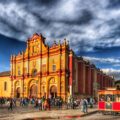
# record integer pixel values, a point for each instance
(40, 19)
(89, 25)
(79, 20)
(114, 3)
(10, 26)
(48, 2)
(40, 14)
(84, 18)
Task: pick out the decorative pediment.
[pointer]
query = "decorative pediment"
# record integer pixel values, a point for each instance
(36, 44)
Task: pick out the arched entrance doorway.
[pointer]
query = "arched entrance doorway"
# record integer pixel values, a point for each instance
(18, 92)
(118, 87)
(53, 91)
(33, 91)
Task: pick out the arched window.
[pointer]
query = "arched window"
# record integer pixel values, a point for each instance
(5, 86)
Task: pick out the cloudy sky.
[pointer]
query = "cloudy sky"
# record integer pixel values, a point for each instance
(91, 26)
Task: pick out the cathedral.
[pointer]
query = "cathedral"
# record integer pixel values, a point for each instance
(51, 71)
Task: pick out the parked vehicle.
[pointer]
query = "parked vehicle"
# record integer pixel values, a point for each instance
(109, 101)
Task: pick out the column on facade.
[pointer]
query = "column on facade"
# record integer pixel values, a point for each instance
(28, 69)
(23, 75)
(84, 78)
(14, 74)
(88, 80)
(40, 70)
(12, 62)
(65, 85)
(80, 77)
(76, 76)
(94, 83)
(47, 73)
(14, 67)
(28, 72)
(92, 80)
(71, 71)
(98, 80)
(59, 73)
(47, 88)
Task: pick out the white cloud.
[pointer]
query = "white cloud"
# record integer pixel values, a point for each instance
(112, 72)
(66, 19)
(104, 60)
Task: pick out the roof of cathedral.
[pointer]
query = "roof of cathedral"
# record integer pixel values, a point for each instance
(5, 73)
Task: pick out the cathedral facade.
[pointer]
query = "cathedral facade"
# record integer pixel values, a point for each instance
(40, 70)
(51, 71)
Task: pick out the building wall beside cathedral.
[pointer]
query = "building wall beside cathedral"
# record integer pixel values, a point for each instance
(5, 86)
(86, 78)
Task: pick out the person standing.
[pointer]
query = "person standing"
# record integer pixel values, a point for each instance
(85, 105)
(11, 105)
(40, 104)
(81, 105)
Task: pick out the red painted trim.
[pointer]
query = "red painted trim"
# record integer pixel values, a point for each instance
(101, 105)
(70, 69)
(116, 106)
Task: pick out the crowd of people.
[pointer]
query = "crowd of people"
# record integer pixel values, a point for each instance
(49, 103)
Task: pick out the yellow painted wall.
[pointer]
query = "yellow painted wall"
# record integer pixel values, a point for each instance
(7, 92)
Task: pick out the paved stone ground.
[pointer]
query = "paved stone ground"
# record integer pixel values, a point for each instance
(100, 116)
(31, 113)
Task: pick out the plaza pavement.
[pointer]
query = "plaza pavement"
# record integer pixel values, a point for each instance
(31, 113)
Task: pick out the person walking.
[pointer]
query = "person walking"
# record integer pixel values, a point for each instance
(10, 105)
(81, 105)
(85, 105)
(40, 104)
